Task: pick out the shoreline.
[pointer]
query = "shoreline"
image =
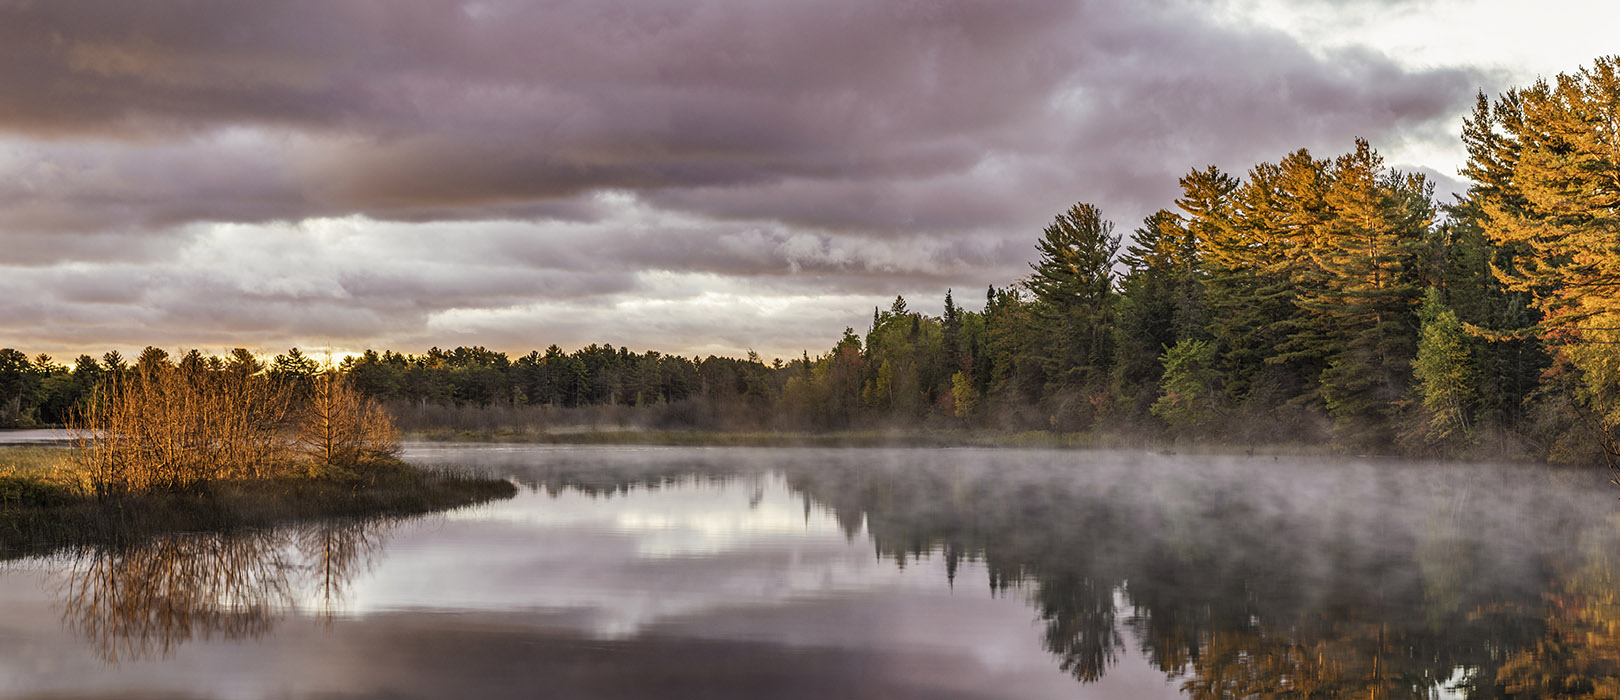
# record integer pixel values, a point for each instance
(923, 439)
(12, 438)
(38, 517)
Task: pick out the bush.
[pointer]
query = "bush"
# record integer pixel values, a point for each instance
(163, 426)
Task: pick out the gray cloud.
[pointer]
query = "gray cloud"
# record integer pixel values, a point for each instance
(501, 156)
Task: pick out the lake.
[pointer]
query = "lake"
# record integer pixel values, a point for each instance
(651, 572)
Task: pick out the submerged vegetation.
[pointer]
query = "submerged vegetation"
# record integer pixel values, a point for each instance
(1312, 300)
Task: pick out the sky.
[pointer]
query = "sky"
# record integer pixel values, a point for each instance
(702, 177)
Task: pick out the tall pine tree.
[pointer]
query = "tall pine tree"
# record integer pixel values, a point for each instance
(1073, 286)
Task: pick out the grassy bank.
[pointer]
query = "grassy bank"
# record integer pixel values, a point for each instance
(40, 510)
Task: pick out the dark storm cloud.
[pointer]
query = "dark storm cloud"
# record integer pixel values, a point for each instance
(410, 107)
(499, 155)
(437, 110)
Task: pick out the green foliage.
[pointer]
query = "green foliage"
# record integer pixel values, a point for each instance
(964, 396)
(1445, 376)
(16, 383)
(24, 492)
(1073, 287)
(1161, 303)
(1189, 385)
(1370, 263)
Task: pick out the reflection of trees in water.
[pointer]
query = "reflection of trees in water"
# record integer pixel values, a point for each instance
(1220, 585)
(1292, 584)
(607, 481)
(159, 594)
(1080, 629)
(149, 598)
(334, 553)
(1578, 653)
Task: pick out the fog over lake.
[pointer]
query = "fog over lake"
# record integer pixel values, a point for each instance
(626, 572)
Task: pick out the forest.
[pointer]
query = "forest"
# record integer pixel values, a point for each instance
(1313, 300)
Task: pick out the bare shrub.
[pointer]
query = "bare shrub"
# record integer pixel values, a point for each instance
(340, 427)
(161, 426)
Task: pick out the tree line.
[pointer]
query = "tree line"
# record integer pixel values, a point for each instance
(1308, 299)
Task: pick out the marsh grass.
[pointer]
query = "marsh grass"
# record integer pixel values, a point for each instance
(34, 462)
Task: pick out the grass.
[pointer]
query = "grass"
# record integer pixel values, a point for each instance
(30, 461)
(40, 512)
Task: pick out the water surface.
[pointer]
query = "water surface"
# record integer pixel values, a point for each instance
(630, 572)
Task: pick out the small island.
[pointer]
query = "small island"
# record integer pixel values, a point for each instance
(211, 443)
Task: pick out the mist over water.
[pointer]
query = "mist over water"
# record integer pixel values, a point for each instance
(726, 572)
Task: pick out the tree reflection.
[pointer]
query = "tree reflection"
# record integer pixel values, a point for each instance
(1339, 582)
(1080, 629)
(334, 553)
(1578, 655)
(1236, 596)
(149, 598)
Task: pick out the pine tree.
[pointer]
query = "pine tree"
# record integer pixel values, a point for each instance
(1371, 260)
(1288, 224)
(1160, 304)
(1507, 356)
(1444, 374)
(1188, 400)
(1549, 161)
(1546, 161)
(1073, 287)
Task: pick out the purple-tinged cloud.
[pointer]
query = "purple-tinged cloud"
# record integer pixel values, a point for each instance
(501, 158)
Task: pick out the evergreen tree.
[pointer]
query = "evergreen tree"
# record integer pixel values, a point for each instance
(1445, 378)
(951, 334)
(1188, 400)
(1073, 288)
(1282, 212)
(16, 384)
(1507, 356)
(1160, 304)
(1545, 160)
(1016, 359)
(1371, 261)
(114, 363)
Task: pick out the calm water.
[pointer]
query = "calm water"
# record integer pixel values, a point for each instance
(627, 572)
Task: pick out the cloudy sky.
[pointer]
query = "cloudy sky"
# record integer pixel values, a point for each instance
(694, 177)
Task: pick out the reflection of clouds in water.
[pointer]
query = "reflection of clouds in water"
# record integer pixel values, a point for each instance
(708, 523)
(623, 564)
(686, 517)
(672, 567)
